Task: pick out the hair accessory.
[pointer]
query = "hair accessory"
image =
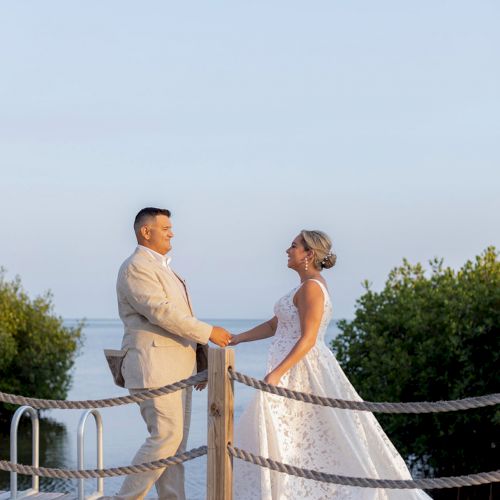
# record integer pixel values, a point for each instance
(329, 254)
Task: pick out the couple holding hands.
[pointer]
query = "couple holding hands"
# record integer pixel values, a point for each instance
(163, 341)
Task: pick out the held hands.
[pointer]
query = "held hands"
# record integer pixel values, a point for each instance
(234, 340)
(220, 336)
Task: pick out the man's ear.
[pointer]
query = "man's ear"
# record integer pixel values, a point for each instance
(145, 232)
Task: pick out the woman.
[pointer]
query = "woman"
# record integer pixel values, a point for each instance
(335, 441)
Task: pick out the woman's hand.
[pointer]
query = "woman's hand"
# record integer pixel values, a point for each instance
(272, 378)
(234, 340)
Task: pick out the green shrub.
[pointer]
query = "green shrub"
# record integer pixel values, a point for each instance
(431, 338)
(37, 351)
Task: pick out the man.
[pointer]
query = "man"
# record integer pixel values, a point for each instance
(161, 337)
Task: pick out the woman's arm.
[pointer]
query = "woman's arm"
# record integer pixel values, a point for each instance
(309, 302)
(263, 331)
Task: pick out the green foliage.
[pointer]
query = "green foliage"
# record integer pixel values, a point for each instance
(37, 351)
(431, 338)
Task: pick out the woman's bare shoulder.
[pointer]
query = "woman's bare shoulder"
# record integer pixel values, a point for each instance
(310, 290)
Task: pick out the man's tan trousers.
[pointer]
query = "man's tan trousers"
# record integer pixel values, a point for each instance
(167, 419)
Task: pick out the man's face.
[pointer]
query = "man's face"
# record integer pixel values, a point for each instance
(160, 233)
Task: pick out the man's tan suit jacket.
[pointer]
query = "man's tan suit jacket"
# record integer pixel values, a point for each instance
(161, 333)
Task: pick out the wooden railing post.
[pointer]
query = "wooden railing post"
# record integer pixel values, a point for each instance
(220, 424)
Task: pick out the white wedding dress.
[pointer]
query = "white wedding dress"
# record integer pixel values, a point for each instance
(335, 441)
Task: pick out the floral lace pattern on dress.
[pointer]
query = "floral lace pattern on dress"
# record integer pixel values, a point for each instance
(335, 441)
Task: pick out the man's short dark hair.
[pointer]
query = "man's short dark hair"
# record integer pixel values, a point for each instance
(146, 213)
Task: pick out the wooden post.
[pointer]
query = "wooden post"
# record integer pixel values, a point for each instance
(220, 424)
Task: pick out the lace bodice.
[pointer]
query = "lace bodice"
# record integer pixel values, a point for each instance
(289, 331)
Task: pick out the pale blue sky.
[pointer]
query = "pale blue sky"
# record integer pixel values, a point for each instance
(377, 122)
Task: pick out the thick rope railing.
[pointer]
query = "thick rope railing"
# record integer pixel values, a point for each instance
(425, 483)
(109, 472)
(384, 407)
(378, 407)
(413, 407)
(44, 404)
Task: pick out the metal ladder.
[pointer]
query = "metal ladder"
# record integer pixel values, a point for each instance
(80, 454)
(35, 450)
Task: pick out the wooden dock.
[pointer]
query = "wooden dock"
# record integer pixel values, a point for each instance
(41, 495)
(5, 495)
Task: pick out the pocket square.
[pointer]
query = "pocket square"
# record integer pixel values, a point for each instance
(115, 358)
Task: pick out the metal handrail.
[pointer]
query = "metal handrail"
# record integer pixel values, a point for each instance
(35, 448)
(80, 453)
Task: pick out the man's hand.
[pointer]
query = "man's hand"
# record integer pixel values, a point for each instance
(220, 336)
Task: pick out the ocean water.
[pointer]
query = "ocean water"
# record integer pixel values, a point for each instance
(124, 429)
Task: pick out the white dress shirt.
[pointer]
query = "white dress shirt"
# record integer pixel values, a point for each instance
(162, 259)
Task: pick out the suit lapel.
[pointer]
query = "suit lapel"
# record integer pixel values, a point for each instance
(168, 275)
(171, 275)
(188, 300)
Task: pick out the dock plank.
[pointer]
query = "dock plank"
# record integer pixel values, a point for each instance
(49, 496)
(42, 495)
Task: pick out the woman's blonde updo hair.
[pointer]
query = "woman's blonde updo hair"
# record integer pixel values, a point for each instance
(321, 246)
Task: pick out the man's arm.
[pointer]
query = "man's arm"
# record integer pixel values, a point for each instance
(147, 297)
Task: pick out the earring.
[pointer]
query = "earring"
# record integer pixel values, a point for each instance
(306, 267)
